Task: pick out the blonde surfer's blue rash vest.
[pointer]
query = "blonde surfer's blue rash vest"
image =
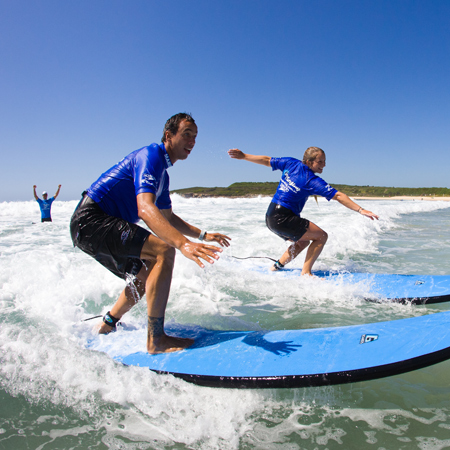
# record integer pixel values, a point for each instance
(297, 183)
(45, 206)
(144, 170)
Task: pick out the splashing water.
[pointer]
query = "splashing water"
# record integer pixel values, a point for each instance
(57, 394)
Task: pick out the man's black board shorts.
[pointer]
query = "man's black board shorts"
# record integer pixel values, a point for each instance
(113, 242)
(285, 223)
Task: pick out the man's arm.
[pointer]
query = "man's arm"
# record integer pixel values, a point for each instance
(57, 192)
(160, 225)
(192, 231)
(235, 153)
(34, 192)
(345, 200)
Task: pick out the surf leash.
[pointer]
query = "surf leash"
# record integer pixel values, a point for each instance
(108, 319)
(255, 257)
(90, 318)
(277, 265)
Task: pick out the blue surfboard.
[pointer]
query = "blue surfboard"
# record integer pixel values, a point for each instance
(298, 358)
(414, 289)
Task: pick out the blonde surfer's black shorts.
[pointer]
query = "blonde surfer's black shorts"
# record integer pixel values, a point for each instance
(285, 223)
(113, 242)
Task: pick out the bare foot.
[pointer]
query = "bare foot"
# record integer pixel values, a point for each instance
(309, 274)
(102, 328)
(166, 344)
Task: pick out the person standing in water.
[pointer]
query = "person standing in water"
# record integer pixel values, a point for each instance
(298, 182)
(104, 225)
(45, 204)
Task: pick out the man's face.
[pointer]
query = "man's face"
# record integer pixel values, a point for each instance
(180, 145)
(44, 196)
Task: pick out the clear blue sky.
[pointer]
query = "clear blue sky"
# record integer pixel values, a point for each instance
(85, 82)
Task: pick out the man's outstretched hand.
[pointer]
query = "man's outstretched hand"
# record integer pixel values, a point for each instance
(197, 252)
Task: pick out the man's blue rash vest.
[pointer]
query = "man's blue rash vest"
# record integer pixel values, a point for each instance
(45, 206)
(144, 170)
(297, 183)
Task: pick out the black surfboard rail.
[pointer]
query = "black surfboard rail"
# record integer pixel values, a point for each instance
(412, 300)
(315, 380)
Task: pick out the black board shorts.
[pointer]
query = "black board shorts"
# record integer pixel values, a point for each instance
(285, 223)
(113, 242)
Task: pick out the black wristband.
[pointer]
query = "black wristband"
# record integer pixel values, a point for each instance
(278, 265)
(110, 320)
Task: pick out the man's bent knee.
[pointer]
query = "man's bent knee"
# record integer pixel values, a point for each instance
(155, 249)
(167, 253)
(321, 236)
(165, 256)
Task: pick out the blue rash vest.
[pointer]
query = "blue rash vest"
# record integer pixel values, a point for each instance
(45, 206)
(297, 183)
(144, 170)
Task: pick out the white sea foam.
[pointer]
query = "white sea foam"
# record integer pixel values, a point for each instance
(48, 288)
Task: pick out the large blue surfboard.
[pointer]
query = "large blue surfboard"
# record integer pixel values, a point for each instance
(414, 289)
(299, 358)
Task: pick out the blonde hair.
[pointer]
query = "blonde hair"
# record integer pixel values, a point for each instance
(311, 154)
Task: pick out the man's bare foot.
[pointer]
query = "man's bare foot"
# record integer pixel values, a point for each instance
(166, 344)
(102, 328)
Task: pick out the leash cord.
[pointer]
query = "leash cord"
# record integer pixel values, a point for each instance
(90, 318)
(256, 257)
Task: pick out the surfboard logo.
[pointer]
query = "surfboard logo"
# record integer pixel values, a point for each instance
(365, 338)
(419, 282)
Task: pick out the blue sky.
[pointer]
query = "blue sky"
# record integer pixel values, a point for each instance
(83, 83)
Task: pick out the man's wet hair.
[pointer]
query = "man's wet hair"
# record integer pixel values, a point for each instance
(173, 124)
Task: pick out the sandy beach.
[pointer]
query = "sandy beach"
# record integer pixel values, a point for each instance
(405, 197)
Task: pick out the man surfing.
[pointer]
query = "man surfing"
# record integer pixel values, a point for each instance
(104, 225)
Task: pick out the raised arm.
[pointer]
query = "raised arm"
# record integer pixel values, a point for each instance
(345, 200)
(57, 192)
(34, 193)
(235, 153)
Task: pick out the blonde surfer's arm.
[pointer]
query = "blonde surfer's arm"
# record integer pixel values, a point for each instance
(235, 153)
(346, 201)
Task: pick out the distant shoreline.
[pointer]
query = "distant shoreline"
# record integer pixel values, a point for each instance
(267, 189)
(359, 198)
(406, 197)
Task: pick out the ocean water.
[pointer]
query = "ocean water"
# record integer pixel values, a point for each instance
(56, 394)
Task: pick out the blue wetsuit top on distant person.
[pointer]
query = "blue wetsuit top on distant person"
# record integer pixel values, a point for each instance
(297, 183)
(45, 206)
(144, 170)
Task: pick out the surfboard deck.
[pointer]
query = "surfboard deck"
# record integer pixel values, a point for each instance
(302, 358)
(414, 289)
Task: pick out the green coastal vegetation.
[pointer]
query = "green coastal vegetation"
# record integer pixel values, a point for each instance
(268, 189)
